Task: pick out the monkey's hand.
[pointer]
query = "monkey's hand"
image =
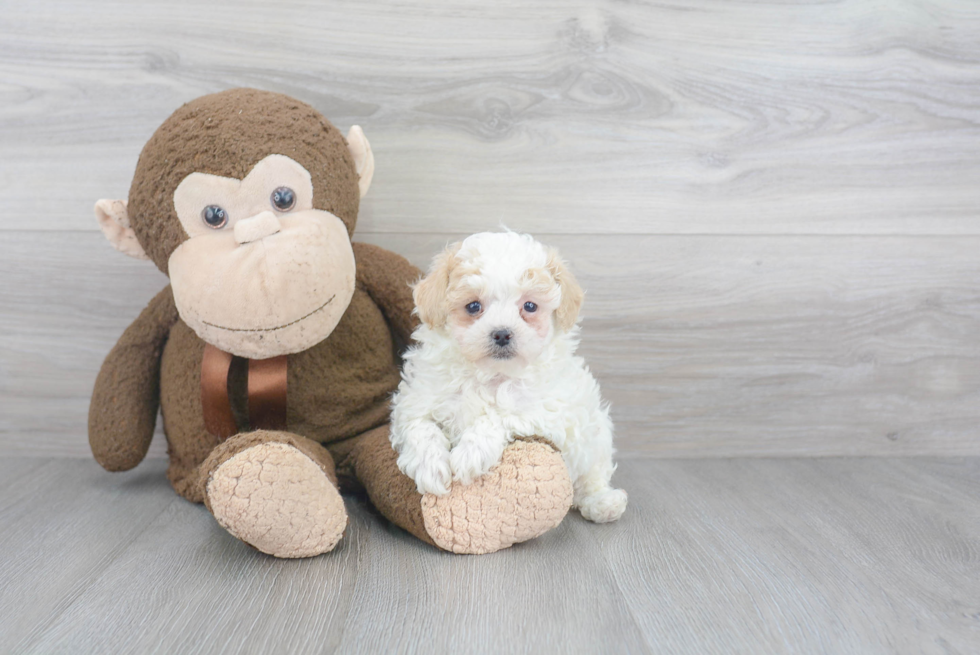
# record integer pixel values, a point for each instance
(123, 411)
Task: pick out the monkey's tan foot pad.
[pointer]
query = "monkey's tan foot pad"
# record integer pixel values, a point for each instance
(278, 500)
(526, 494)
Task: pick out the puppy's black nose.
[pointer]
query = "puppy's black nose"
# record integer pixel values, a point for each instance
(502, 337)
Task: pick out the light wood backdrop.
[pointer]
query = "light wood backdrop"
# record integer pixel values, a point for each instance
(775, 207)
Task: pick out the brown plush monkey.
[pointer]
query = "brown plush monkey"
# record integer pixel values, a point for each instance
(274, 350)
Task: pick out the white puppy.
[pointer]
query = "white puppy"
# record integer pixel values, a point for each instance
(495, 359)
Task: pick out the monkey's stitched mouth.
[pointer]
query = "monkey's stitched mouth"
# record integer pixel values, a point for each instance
(272, 329)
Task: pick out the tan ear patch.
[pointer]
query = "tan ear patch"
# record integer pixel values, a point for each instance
(113, 218)
(363, 156)
(571, 293)
(431, 292)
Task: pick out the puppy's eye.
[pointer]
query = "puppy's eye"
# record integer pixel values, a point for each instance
(473, 308)
(283, 198)
(214, 216)
(530, 307)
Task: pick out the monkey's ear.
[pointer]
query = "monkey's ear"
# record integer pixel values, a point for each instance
(571, 293)
(363, 157)
(114, 220)
(430, 293)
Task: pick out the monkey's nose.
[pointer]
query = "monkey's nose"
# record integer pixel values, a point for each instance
(502, 337)
(256, 227)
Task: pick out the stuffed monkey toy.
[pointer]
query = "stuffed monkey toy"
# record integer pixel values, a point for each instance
(273, 352)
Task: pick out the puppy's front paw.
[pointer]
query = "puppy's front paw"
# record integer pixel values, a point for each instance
(603, 506)
(434, 475)
(471, 459)
(430, 470)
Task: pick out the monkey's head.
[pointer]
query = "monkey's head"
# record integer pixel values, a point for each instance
(247, 200)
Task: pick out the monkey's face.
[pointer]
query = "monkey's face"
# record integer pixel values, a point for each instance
(262, 273)
(256, 243)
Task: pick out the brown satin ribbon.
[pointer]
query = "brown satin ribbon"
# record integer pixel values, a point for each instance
(267, 393)
(218, 419)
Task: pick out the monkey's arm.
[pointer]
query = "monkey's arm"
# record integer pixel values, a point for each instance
(386, 277)
(123, 412)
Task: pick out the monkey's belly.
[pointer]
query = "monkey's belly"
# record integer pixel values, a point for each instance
(342, 386)
(337, 389)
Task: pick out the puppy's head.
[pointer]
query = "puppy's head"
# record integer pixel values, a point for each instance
(502, 296)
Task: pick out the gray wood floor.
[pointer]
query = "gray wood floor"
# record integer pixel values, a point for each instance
(861, 555)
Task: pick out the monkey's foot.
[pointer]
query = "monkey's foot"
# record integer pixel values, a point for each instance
(278, 500)
(523, 496)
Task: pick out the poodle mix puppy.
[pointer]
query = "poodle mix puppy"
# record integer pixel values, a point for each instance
(494, 359)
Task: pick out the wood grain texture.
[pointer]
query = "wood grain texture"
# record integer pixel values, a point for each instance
(774, 205)
(566, 116)
(712, 556)
(704, 345)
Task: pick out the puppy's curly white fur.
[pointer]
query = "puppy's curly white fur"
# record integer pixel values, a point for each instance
(494, 359)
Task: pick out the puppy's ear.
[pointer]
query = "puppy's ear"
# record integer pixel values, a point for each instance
(571, 293)
(430, 292)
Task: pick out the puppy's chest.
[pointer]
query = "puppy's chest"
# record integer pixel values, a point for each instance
(515, 404)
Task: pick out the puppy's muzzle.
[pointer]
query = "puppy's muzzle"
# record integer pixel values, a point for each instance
(501, 343)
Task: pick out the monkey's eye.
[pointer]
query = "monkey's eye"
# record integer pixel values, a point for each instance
(214, 216)
(283, 198)
(473, 308)
(530, 307)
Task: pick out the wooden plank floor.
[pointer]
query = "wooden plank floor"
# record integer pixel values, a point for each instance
(861, 555)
